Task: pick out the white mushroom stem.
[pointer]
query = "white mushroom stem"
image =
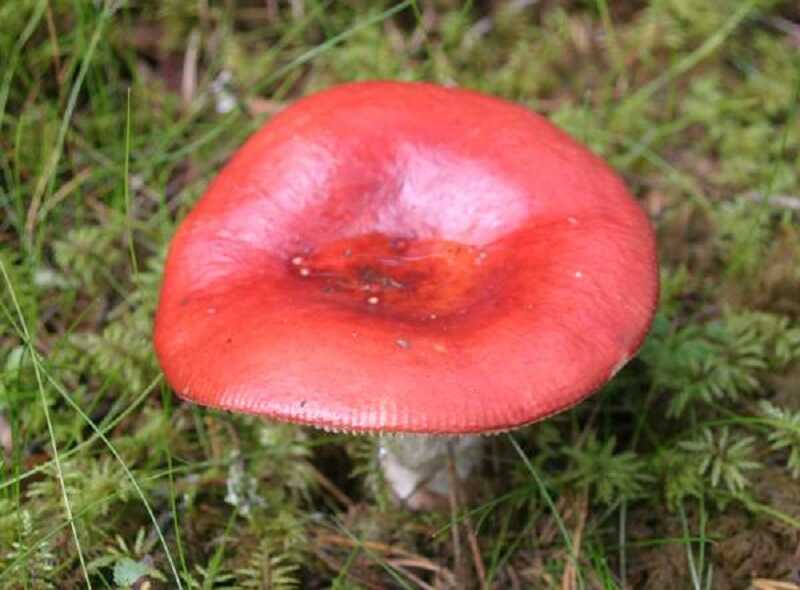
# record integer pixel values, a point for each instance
(416, 468)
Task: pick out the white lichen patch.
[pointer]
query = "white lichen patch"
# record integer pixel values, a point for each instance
(242, 489)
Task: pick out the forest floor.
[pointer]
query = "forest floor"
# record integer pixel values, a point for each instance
(683, 472)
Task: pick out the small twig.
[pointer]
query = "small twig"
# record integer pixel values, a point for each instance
(786, 201)
(764, 584)
(458, 562)
(331, 488)
(51, 31)
(457, 500)
(416, 563)
(189, 74)
(399, 565)
(569, 581)
(477, 558)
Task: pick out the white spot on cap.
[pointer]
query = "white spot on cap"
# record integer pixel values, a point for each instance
(402, 343)
(578, 274)
(297, 260)
(572, 221)
(373, 300)
(304, 272)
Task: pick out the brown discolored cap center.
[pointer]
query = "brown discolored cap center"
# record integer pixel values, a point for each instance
(397, 276)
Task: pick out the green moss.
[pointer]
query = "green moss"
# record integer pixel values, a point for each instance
(696, 105)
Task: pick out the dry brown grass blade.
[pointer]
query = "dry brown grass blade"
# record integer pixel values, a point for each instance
(398, 558)
(402, 566)
(189, 71)
(53, 36)
(336, 565)
(456, 502)
(765, 584)
(331, 488)
(569, 581)
(322, 538)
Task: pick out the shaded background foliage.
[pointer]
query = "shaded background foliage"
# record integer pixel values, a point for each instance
(682, 472)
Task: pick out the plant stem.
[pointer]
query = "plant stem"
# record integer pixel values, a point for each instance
(416, 467)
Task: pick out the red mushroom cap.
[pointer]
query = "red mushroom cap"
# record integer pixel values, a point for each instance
(404, 257)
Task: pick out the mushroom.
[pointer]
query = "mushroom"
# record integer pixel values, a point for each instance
(388, 257)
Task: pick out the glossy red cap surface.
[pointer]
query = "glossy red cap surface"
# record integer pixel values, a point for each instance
(403, 257)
